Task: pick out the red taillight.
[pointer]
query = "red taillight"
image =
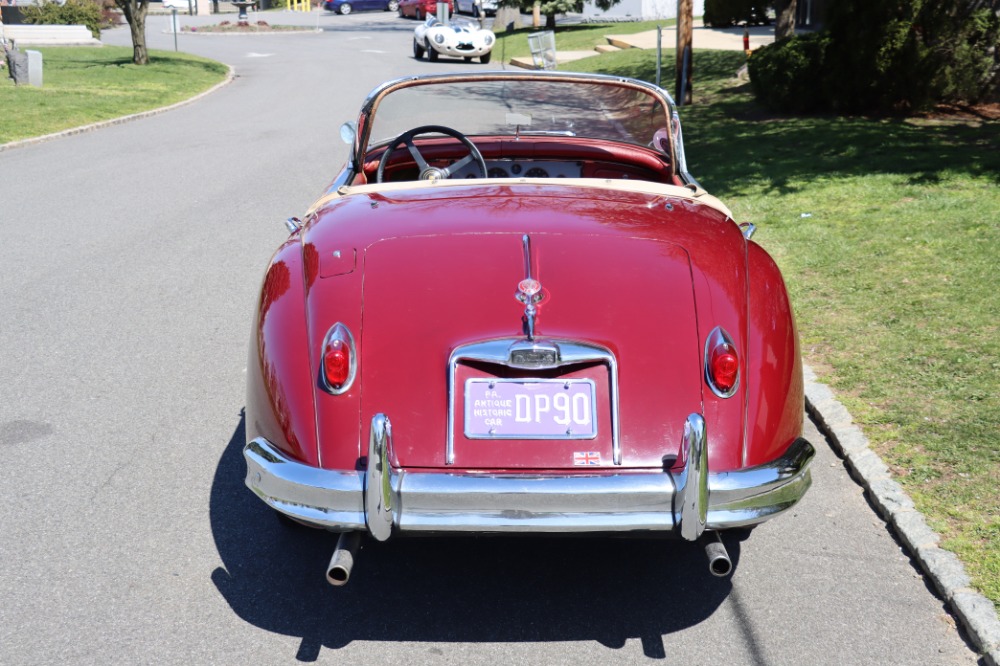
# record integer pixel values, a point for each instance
(338, 360)
(336, 363)
(724, 367)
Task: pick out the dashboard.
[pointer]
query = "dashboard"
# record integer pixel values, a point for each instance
(523, 169)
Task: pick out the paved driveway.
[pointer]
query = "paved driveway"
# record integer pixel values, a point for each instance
(130, 264)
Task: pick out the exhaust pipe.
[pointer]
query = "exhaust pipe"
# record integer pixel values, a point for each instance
(339, 569)
(718, 559)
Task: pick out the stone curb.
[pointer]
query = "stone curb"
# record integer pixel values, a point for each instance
(230, 75)
(975, 612)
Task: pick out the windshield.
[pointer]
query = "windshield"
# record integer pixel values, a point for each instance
(613, 110)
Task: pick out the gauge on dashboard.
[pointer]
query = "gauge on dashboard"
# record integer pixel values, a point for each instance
(536, 172)
(497, 172)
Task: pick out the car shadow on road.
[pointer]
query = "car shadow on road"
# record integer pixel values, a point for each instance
(444, 589)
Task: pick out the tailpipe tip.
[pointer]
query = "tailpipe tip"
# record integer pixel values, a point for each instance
(719, 563)
(338, 572)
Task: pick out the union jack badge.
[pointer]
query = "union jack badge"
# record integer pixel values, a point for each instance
(586, 458)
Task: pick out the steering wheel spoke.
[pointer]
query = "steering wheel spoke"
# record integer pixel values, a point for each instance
(417, 157)
(428, 172)
(448, 171)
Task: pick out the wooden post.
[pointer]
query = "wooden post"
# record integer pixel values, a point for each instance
(685, 23)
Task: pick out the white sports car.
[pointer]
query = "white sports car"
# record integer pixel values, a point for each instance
(459, 39)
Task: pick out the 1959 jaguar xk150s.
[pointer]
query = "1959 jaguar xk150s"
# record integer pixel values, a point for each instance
(515, 311)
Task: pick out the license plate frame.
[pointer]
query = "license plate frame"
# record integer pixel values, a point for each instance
(511, 409)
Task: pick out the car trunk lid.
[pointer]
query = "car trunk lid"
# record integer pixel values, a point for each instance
(629, 296)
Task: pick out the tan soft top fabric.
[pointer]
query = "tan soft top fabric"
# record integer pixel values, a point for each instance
(691, 192)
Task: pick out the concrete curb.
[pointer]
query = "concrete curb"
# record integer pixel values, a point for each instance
(196, 33)
(230, 75)
(975, 612)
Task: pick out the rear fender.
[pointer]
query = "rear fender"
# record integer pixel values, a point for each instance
(774, 364)
(279, 404)
(720, 280)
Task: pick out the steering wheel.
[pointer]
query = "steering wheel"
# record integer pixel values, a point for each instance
(428, 172)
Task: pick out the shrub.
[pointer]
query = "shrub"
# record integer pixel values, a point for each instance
(74, 12)
(786, 76)
(886, 57)
(965, 39)
(723, 13)
(878, 60)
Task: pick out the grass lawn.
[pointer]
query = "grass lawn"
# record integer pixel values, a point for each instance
(84, 85)
(888, 233)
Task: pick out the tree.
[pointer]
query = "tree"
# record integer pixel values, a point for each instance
(685, 42)
(552, 7)
(507, 16)
(135, 15)
(885, 56)
(784, 24)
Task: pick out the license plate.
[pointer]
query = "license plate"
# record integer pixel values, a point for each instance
(530, 409)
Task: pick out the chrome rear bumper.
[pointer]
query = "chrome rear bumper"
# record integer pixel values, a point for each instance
(384, 500)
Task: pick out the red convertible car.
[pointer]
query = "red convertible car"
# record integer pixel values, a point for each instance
(521, 314)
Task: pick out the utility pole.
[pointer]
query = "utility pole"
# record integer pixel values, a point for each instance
(685, 23)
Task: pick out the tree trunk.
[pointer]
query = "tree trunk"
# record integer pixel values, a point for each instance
(135, 15)
(507, 17)
(784, 24)
(550, 21)
(685, 24)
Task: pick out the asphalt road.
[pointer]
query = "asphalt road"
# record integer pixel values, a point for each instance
(131, 257)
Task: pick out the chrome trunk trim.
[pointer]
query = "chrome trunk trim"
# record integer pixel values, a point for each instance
(529, 291)
(562, 353)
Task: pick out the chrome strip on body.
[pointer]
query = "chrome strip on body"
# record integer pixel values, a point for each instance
(504, 351)
(640, 500)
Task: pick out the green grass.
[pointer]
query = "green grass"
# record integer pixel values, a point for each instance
(84, 85)
(888, 233)
(583, 37)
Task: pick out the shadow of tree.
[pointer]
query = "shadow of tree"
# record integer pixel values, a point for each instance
(734, 146)
(449, 589)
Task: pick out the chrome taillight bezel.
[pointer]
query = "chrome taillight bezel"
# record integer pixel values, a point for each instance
(716, 338)
(338, 332)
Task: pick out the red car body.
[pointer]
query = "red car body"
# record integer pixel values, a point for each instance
(421, 339)
(421, 9)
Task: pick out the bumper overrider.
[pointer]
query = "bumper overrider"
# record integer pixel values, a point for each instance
(384, 500)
